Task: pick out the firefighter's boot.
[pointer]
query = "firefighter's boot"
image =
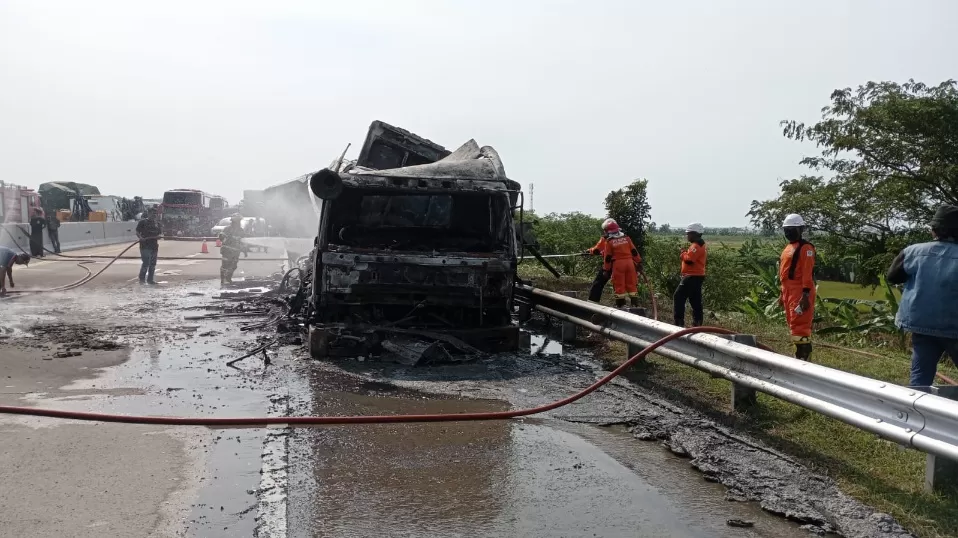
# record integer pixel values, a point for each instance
(803, 351)
(634, 301)
(620, 302)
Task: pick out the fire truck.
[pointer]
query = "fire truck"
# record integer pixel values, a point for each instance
(190, 212)
(17, 203)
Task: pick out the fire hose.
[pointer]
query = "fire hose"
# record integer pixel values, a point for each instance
(356, 419)
(645, 277)
(99, 257)
(91, 275)
(655, 315)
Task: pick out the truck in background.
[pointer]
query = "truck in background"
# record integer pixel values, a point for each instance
(191, 212)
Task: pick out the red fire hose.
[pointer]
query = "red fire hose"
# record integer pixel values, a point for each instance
(359, 419)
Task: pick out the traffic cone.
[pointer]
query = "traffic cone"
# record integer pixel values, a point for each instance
(218, 243)
(204, 249)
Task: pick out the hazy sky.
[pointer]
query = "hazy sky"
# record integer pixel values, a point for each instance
(577, 97)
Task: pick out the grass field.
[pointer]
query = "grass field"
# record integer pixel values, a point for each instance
(730, 241)
(845, 290)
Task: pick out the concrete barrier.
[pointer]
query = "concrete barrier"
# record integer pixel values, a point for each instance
(119, 232)
(73, 235)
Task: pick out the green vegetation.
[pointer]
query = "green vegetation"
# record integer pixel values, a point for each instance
(846, 290)
(892, 155)
(714, 241)
(876, 472)
(630, 208)
(893, 158)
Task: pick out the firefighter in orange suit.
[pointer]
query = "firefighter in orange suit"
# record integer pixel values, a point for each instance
(600, 280)
(693, 276)
(798, 287)
(622, 263)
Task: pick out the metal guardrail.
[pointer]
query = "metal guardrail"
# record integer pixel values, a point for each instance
(904, 415)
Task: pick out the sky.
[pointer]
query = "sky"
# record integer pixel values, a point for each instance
(578, 98)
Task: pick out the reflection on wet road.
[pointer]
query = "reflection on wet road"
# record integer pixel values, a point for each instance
(539, 477)
(528, 478)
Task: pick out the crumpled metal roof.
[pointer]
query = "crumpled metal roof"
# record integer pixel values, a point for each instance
(469, 162)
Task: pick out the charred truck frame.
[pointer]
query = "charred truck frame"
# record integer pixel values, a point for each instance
(417, 241)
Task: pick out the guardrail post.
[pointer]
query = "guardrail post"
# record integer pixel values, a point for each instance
(525, 340)
(525, 312)
(743, 397)
(633, 349)
(568, 328)
(941, 474)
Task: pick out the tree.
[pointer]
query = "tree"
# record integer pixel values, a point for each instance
(568, 233)
(630, 208)
(889, 153)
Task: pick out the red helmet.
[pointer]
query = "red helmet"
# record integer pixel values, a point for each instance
(612, 228)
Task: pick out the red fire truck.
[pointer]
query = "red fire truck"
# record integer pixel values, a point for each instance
(190, 212)
(17, 203)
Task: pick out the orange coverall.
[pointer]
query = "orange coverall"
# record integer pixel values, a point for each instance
(621, 257)
(693, 260)
(796, 278)
(599, 247)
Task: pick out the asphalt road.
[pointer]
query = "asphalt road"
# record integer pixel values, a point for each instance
(114, 346)
(53, 271)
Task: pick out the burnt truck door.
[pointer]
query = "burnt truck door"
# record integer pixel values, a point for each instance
(322, 244)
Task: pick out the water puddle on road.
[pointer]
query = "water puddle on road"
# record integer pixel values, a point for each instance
(494, 478)
(544, 345)
(438, 479)
(183, 373)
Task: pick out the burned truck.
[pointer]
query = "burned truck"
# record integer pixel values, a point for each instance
(414, 242)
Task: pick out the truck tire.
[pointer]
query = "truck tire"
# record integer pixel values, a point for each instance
(318, 343)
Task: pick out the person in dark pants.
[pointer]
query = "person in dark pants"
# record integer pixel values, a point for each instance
(37, 224)
(148, 231)
(929, 272)
(232, 247)
(601, 277)
(9, 258)
(693, 276)
(53, 230)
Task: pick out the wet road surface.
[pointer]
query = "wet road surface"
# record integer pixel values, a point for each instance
(537, 477)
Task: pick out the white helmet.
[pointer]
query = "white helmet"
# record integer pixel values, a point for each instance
(793, 219)
(695, 227)
(607, 222)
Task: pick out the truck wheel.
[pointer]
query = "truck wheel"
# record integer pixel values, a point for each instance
(318, 343)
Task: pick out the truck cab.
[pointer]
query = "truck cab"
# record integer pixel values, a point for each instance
(427, 247)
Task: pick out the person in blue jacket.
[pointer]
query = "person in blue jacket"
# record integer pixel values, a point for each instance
(929, 301)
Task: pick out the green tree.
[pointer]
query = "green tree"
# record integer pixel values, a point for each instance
(889, 157)
(568, 233)
(630, 207)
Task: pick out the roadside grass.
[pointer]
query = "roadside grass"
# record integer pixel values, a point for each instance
(847, 290)
(876, 472)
